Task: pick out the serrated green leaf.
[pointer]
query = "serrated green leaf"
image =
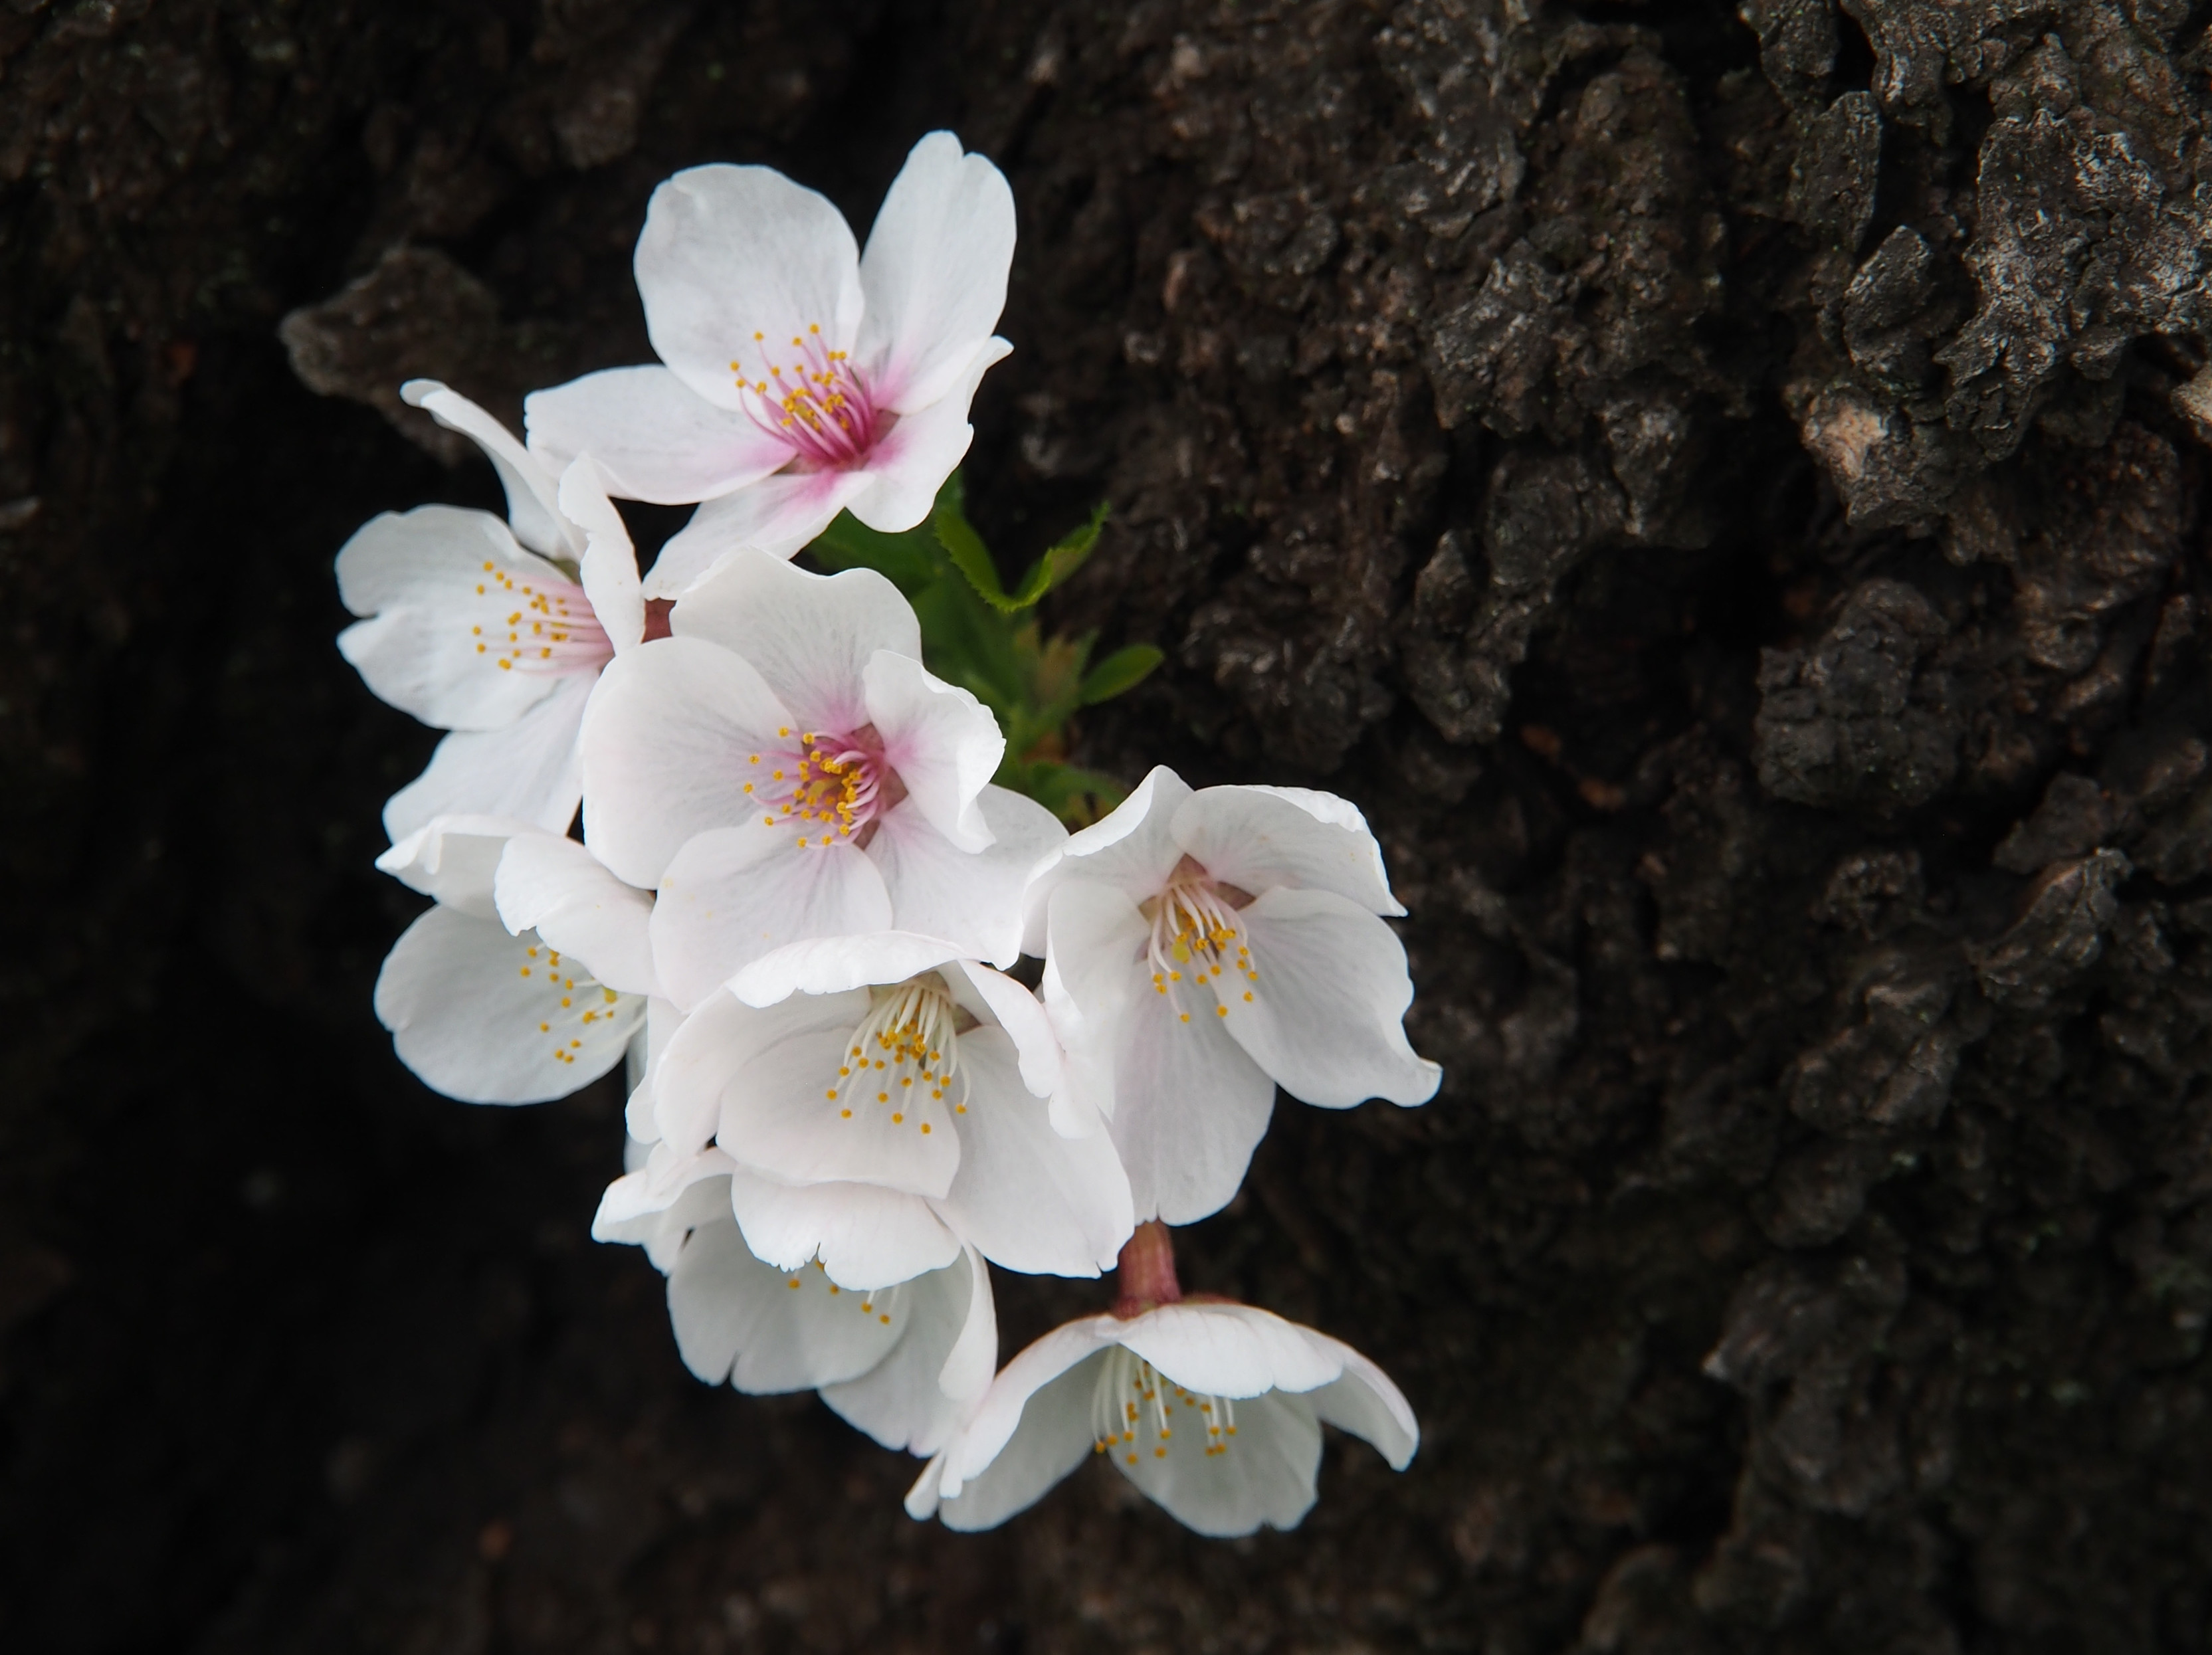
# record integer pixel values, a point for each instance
(1119, 672)
(970, 556)
(910, 561)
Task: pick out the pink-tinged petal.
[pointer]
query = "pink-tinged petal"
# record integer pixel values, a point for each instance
(833, 965)
(1259, 837)
(608, 568)
(992, 997)
(530, 771)
(667, 748)
(731, 252)
(453, 859)
(910, 462)
(1189, 1105)
(767, 1331)
(551, 884)
(1366, 1403)
(919, 1395)
(532, 509)
(714, 1050)
(945, 744)
(974, 898)
(1324, 1010)
(866, 1237)
(935, 273)
(810, 636)
(654, 436)
(1004, 1406)
(1265, 1480)
(1232, 1350)
(809, 1110)
(775, 517)
(1132, 848)
(737, 894)
(478, 1014)
(440, 584)
(1027, 1198)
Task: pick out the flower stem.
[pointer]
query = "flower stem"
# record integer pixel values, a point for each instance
(1147, 1272)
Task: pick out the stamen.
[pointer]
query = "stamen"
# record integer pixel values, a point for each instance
(833, 786)
(1132, 1394)
(817, 403)
(912, 1031)
(1194, 936)
(554, 632)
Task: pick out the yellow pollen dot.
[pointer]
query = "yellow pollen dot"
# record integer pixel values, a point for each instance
(845, 1114)
(1133, 1459)
(883, 1097)
(1248, 995)
(958, 1108)
(885, 1320)
(793, 1284)
(564, 999)
(898, 1120)
(1186, 1017)
(545, 1029)
(1224, 1010)
(925, 1129)
(525, 971)
(832, 1095)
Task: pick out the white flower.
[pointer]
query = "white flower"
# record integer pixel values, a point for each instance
(783, 768)
(1202, 947)
(803, 378)
(883, 1100)
(495, 633)
(905, 1363)
(1214, 1410)
(489, 1016)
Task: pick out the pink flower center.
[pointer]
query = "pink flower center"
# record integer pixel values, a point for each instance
(830, 787)
(816, 401)
(538, 625)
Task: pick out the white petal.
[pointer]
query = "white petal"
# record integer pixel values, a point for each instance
(732, 896)
(731, 251)
(934, 272)
(910, 462)
(974, 898)
(1327, 1002)
(654, 436)
(665, 746)
(992, 997)
(1366, 1403)
(796, 1114)
(1132, 848)
(714, 1050)
(530, 771)
(767, 1331)
(944, 743)
(657, 1205)
(902, 1401)
(1259, 837)
(1096, 939)
(1005, 1405)
(554, 886)
(609, 567)
(478, 1014)
(532, 509)
(810, 636)
(454, 858)
(438, 582)
(773, 518)
(1232, 1350)
(831, 965)
(1026, 1198)
(1265, 1477)
(1189, 1105)
(867, 1238)
(1054, 1436)
(640, 1115)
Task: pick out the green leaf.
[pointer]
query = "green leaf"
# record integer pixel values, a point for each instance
(909, 561)
(1078, 797)
(970, 556)
(1119, 673)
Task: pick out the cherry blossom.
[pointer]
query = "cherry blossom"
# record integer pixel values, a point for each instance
(1202, 947)
(487, 1014)
(783, 767)
(495, 631)
(905, 1362)
(1212, 1409)
(801, 377)
(883, 1100)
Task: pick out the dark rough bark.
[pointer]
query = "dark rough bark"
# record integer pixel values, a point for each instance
(1725, 496)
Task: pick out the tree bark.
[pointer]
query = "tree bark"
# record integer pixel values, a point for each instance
(1725, 496)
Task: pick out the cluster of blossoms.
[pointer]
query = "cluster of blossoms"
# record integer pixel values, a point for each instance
(796, 900)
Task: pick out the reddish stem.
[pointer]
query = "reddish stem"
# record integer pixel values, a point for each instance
(1147, 1272)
